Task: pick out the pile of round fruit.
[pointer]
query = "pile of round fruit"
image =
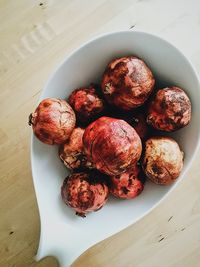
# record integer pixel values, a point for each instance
(103, 131)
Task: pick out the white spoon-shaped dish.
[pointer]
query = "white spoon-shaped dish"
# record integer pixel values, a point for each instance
(63, 234)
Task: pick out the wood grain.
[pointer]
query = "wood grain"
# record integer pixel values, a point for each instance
(35, 36)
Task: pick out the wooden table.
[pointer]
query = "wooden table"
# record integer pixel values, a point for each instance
(35, 36)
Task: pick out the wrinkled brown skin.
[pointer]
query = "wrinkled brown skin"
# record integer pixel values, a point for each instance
(112, 145)
(53, 121)
(127, 185)
(84, 192)
(127, 82)
(71, 152)
(163, 160)
(86, 103)
(170, 110)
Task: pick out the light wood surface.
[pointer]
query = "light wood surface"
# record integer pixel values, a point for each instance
(34, 38)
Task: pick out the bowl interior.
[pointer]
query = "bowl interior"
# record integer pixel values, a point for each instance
(84, 66)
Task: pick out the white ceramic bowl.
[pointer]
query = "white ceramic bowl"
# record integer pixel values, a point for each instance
(63, 234)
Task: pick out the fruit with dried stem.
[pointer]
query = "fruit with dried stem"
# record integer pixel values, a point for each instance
(127, 185)
(85, 192)
(163, 160)
(71, 152)
(170, 110)
(127, 82)
(112, 145)
(53, 121)
(86, 103)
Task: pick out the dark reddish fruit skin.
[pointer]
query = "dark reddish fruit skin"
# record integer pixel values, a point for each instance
(138, 121)
(170, 110)
(163, 160)
(112, 145)
(127, 82)
(84, 192)
(71, 152)
(53, 121)
(86, 103)
(128, 184)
